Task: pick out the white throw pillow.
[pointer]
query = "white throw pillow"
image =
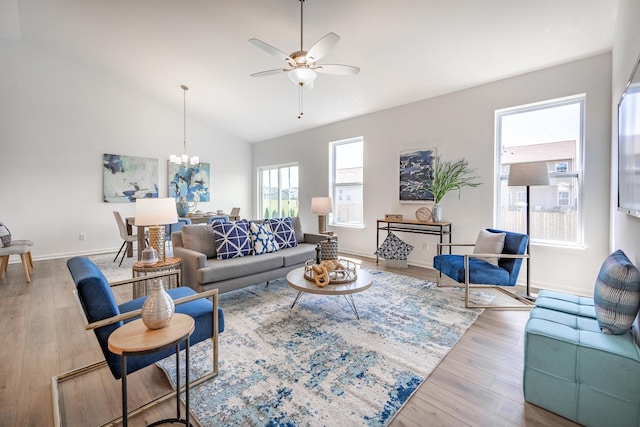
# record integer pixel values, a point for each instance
(489, 243)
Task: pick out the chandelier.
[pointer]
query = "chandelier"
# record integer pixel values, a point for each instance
(184, 159)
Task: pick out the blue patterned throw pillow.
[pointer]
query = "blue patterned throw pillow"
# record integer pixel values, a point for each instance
(5, 235)
(283, 230)
(262, 238)
(393, 248)
(617, 294)
(232, 239)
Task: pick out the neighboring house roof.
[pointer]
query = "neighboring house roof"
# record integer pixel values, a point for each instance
(546, 152)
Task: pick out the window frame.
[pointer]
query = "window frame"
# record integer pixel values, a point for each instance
(578, 167)
(278, 168)
(335, 192)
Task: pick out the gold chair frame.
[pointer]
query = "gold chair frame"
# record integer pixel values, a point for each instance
(526, 304)
(57, 379)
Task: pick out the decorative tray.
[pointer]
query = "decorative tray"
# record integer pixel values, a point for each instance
(339, 271)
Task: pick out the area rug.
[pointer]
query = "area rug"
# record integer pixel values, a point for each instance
(316, 364)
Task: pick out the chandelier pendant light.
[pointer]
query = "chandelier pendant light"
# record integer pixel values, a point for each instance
(184, 158)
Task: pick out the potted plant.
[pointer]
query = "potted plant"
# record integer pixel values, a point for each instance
(447, 176)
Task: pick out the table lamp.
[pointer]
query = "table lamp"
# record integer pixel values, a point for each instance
(526, 175)
(321, 206)
(155, 213)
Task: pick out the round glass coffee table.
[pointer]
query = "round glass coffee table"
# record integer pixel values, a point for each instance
(297, 281)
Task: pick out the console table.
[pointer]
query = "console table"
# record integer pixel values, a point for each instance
(441, 229)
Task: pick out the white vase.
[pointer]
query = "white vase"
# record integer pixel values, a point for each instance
(436, 213)
(158, 309)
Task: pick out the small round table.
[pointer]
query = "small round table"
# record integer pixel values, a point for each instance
(297, 281)
(134, 339)
(169, 264)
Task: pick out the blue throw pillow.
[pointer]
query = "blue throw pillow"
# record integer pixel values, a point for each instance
(232, 239)
(283, 230)
(617, 294)
(262, 238)
(5, 235)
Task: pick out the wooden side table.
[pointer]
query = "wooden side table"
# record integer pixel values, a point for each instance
(134, 339)
(169, 264)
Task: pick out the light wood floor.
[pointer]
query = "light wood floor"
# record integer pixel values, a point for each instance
(479, 383)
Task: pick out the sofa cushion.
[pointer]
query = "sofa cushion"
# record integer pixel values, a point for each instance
(489, 243)
(219, 270)
(5, 235)
(262, 239)
(297, 228)
(617, 294)
(199, 238)
(284, 232)
(298, 255)
(232, 239)
(393, 248)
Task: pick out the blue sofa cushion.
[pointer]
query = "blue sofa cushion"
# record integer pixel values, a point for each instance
(481, 272)
(285, 233)
(232, 239)
(617, 294)
(262, 238)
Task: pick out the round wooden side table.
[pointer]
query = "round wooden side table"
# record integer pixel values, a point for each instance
(135, 339)
(169, 264)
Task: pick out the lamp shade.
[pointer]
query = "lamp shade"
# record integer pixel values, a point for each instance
(532, 173)
(321, 205)
(156, 211)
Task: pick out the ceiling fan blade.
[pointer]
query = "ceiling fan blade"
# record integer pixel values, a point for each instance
(337, 69)
(271, 50)
(269, 72)
(322, 47)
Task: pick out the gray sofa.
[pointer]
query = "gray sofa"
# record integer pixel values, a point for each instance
(202, 271)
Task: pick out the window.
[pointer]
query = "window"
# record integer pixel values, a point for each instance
(278, 189)
(550, 132)
(346, 178)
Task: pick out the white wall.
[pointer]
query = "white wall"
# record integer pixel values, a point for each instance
(57, 118)
(461, 124)
(626, 50)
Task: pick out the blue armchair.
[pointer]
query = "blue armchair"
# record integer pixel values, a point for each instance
(103, 315)
(475, 271)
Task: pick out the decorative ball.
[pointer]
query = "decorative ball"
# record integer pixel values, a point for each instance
(423, 214)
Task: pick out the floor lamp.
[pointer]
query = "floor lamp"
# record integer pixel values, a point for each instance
(527, 175)
(322, 207)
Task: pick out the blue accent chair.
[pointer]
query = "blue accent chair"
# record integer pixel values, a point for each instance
(474, 272)
(103, 315)
(214, 218)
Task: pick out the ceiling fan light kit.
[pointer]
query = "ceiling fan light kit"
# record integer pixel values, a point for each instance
(302, 65)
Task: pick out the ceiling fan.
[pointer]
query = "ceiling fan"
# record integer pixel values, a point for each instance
(302, 65)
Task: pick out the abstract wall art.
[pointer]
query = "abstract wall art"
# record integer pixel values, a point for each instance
(127, 178)
(416, 171)
(191, 182)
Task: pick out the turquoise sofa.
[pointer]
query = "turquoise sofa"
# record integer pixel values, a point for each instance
(573, 369)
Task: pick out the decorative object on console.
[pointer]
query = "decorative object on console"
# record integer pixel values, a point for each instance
(302, 66)
(447, 176)
(158, 308)
(182, 206)
(526, 175)
(416, 171)
(322, 206)
(393, 217)
(184, 158)
(423, 214)
(126, 179)
(155, 214)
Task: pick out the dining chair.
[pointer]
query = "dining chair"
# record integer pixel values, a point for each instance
(235, 214)
(124, 234)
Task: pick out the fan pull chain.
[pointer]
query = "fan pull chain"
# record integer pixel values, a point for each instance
(300, 101)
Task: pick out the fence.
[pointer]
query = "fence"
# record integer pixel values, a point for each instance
(551, 226)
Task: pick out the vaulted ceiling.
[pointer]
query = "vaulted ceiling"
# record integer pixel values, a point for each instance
(407, 50)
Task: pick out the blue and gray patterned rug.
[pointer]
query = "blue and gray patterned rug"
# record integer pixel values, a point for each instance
(316, 364)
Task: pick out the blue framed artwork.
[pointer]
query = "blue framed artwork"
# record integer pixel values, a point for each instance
(127, 178)
(191, 182)
(416, 171)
